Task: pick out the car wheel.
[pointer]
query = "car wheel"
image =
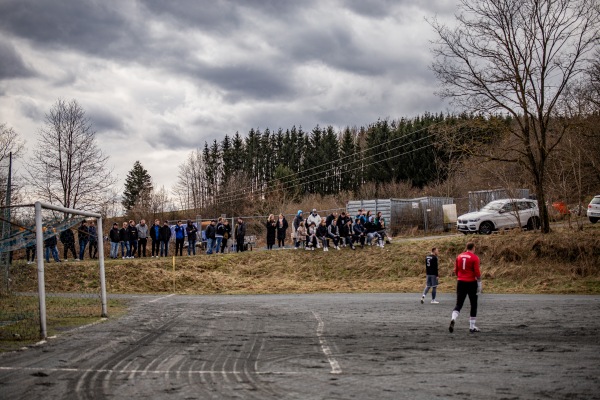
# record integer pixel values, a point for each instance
(533, 223)
(593, 220)
(486, 228)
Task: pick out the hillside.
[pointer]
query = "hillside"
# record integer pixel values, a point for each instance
(564, 261)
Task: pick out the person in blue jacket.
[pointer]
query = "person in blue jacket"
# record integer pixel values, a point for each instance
(155, 236)
(179, 238)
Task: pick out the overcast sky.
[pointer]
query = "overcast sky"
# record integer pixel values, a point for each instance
(159, 78)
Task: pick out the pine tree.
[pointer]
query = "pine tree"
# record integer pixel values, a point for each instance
(138, 187)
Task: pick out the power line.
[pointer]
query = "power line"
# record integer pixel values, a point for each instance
(239, 193)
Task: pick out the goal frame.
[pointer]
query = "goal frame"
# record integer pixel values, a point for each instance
(39, 237)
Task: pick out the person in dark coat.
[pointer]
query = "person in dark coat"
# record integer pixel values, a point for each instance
(192, 235)
(210, 234)
(282, 226)
(114, 241)
(50, 244)
(124, 241)
(83, 235)
(226, 235)
(67, 238)
(271, 230)
(133, 238)
(240, 233)
(93, 233)
(295, 226)
(165, 236)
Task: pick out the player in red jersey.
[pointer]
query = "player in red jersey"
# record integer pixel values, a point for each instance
(468, 283)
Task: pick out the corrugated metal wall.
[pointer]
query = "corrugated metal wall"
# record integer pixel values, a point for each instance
(424, 213)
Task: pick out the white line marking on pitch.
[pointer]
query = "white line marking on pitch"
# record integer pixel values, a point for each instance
(335, 366)
(160, 298)
(142, 372)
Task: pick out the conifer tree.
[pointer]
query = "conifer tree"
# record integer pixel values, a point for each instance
(138, 187)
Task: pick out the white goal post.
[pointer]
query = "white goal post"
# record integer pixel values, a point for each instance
(39, 236)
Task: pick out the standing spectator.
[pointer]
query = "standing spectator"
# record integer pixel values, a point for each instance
(322, 234)
(142, 229)
(133, 238)
(468, 276)
(67, 238)
(210, 236)
(179, 238)
(431, 270)
(381, 228)
(240, 233)
(295, 225)
(114, 241)
(282, 226)
(50, 244)
(301, 235)
(333, 233)
(155, 236)
(192, 235)
(30, 248)
(271, 229)
(226, 235)
(314, 217)
(219, 232)
(165, 237)
(359, 232)
(124, 241)
(93, 234)
(83, 236)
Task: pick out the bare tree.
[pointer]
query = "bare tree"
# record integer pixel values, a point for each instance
(517, 57)
(67, 167)
(10, 143)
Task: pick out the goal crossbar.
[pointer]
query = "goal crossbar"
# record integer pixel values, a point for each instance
(39, 235)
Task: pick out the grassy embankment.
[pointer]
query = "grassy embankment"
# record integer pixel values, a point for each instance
(565, 261)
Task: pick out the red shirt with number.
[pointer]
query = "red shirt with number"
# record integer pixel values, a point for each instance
(467, 267)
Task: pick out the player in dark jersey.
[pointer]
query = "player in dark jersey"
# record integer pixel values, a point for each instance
(431, 269)
(468, 283)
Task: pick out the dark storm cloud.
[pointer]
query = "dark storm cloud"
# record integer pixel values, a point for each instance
(11, 64)
(171, 136)
(242, 81)
(90, 27)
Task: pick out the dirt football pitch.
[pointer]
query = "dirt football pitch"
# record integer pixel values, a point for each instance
(321, 346)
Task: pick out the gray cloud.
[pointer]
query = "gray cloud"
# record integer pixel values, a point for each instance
(12, 65)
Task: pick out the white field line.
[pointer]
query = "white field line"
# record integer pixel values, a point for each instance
(335, 366)
(139, 371)
(160, 298)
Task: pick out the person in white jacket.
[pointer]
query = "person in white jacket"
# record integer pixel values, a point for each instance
(316, 219)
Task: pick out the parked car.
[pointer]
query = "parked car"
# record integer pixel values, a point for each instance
(501, 214)
(593, 211)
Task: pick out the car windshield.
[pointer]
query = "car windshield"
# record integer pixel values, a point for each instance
(493, 206)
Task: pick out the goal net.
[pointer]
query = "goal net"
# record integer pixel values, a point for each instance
(38, 295)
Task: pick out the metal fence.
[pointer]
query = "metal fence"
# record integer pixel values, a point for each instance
(480, 198)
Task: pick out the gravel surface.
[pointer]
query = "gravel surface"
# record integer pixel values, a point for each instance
(334, 346)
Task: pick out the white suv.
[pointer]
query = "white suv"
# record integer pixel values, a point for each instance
(593, 211)
(501, 214)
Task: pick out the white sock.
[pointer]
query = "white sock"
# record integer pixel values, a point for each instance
(455, 314)
(472, 323)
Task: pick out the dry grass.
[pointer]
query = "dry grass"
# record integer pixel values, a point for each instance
(561, 262)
